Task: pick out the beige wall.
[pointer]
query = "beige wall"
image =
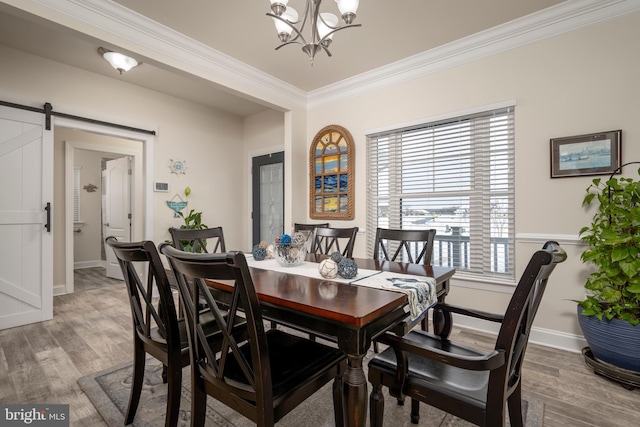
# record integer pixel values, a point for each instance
(576, 83)
(210, 141)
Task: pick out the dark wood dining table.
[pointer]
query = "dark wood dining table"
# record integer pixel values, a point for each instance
(351, 315)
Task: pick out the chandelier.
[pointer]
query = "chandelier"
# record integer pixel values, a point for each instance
(323, 25)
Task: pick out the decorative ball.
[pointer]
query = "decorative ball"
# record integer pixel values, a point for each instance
(328, 268)
(347, 268)
(298, 239)
(259, 253)
(270, 252)
(285, 239)
(336, 257)
(263, 244)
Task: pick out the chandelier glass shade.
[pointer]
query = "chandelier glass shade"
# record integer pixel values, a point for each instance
(290, 27)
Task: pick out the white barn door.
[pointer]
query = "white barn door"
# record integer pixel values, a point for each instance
(26, 187)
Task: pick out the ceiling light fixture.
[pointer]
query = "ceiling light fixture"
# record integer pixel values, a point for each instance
(323, 25)
(120, 62)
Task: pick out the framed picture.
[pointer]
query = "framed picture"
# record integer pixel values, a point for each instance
(592, 154)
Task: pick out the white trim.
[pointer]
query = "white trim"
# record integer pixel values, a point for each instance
(466, 112)
(546, 337)
(567, 16)
(563, 239)
(144, 161)
(139, 33)
(89, 264)
(136, 32)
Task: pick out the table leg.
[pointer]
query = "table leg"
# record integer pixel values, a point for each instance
(355, 393)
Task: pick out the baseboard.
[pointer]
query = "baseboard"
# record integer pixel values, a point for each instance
(59, 290)
(89, 264)
(546, 337)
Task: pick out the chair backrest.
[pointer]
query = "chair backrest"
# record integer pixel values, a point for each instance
(309, 227)
(207, 240)
(327, 240)
(256, 385)
(516, 324)
(308, 230)
(414, 246)
(144, 255)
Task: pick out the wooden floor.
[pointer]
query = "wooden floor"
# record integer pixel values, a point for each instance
(40, 363)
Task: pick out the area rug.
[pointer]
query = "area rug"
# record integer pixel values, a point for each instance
(109, 392)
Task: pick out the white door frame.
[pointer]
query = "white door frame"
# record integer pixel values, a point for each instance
(144, 164)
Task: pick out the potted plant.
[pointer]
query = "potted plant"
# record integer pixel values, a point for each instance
(192, 221)
(613, 298)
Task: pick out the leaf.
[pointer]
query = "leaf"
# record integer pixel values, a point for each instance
(619, 253)
(634, 288)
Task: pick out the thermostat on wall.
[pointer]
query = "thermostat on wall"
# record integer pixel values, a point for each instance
(161, 186)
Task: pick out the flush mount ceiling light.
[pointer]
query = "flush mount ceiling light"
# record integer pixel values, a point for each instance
(120, 62)
(323, 25)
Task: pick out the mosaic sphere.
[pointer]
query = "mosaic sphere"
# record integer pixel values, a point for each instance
(259, 253)
(328, 268)
(347, 268)
(336, 257)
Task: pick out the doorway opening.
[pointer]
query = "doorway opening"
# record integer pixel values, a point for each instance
(123, 144)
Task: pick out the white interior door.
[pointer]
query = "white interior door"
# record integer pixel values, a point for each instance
(26, 187)
(116, 208)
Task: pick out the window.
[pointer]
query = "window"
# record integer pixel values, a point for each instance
(331, 174)
(456, 176)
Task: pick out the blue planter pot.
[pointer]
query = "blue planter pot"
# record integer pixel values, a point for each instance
(612, 341)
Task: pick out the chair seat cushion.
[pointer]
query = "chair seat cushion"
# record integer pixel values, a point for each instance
(293, 361)
(428, 374)
(208, 322)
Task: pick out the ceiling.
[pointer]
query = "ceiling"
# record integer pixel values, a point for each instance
(391, 31)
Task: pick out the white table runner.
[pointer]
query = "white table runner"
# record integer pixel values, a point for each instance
(307, 268)
(420, 290)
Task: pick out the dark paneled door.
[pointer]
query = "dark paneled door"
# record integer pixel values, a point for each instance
(268, 197)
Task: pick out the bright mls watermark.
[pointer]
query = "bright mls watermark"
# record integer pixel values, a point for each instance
(34, 415)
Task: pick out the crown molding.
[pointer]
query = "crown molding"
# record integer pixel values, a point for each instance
(136, 32)
(564, 17)
(128, 29)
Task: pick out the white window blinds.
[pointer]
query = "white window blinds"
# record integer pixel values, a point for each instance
(456, 176)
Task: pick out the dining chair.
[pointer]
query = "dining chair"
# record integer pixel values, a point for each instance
(327, 240)
(413, 246)
(156, 330)
(461, 380)
(308, 229)
(263, 377)
(208, 240)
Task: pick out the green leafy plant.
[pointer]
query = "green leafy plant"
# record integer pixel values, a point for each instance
(614, 246)
(192, 221)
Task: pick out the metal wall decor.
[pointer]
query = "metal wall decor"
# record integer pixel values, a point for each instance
(331, 174)
(179, 167)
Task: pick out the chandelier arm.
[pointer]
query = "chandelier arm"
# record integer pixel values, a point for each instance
(335, 30)
(292, 41)
(326, 49)
(298, 32)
